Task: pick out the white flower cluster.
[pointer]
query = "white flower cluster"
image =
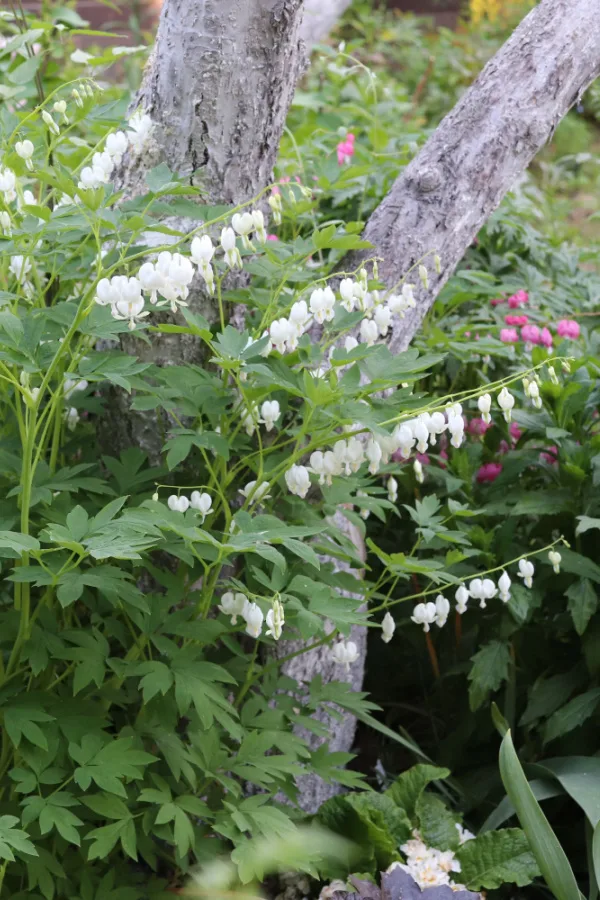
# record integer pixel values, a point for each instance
(201, 502)
(347, 456)
(482, 589)
(115, 146)
(237, 604)
(353, 295)
(170, 275)
(428, 866)
(506, 402)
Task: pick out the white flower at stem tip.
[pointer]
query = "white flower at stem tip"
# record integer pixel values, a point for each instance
(526, 570)
(140, 129)
(275, 620)
(442, 608)
(276, 207)
(424, 614)
(5, 223)
(418, 470)
(504, 584)
(229, 247)
(50, 122)
(233, 605)
(392, 489)
(178, 504)
(388, 626)
(73, 384)
(350, 343)
(25, 149)
(71, 418)
(484, 404)
(299, 317)
(555, 558)
(373, 453)
(202, 502)
(506, 401)
(322, 303)
(256, 494)
(259, 225)
(369, 332)
(280, 333)
(423, 275)
(253, 616)
(270, 412)
(533, 392)
(243, 224)
(489, 591)
(344, 653)
(8, 182)
(298, 480)
(462, 598)
(347, 294)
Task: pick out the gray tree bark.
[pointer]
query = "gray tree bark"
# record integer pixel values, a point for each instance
(443, 197)
(319, 18)
(219, 84)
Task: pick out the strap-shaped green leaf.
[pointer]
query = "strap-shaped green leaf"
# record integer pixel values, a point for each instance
(546, 848)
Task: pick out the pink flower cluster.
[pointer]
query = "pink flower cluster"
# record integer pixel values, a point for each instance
(345, 149)
(488, 472)
(568, 328)
(514, 302)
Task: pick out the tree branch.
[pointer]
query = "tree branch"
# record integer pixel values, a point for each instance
(443, 197)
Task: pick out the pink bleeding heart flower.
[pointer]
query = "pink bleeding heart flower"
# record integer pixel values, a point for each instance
(545, 338)
(478, 426)
(488, 472)
(550, 455)
(516, 320)
(509, 335)
(515, 432)
(530, 334)
(568, 328)
(345, 149)
(518, 299)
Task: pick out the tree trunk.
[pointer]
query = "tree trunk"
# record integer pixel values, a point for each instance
(443, 197)
(319, 18)
(218, 85)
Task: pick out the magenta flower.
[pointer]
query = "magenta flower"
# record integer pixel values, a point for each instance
(509, 335)
(515, 431)
(531, 334)
(568, 328)
(478, 426)
(550, 455)
(545, 338)
(518, 299)
(272, 237)
(488, 472)
(345, 149)
(516, 320)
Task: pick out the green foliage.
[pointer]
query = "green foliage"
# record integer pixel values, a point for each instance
(495, 858)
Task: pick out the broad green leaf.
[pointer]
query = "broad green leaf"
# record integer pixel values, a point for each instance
(582, 604)
(579, 776)
(437, 825)
(490, 668)
(495, 858)
(572, 714)
(408, 787)
(542, 790)
(12, 838)
(550, 856)
(20, 543)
